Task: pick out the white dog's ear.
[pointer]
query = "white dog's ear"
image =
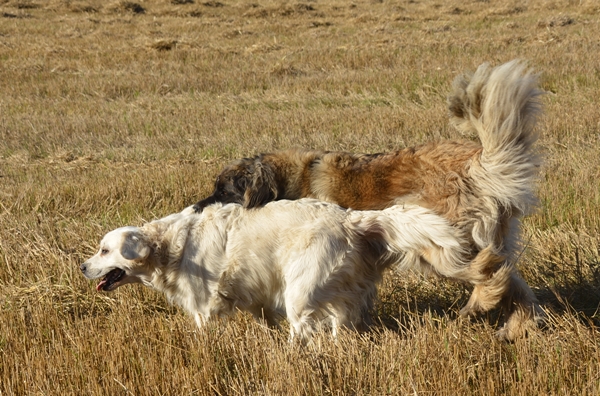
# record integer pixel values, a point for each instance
(135, 246)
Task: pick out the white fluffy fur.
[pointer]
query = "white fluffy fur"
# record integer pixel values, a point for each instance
(313, 262)
(501, 105)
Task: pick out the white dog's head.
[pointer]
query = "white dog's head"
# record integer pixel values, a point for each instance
(121, 259)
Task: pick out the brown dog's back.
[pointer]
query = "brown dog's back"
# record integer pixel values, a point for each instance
(433, 175)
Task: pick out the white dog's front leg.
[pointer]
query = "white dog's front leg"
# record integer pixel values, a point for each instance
(334, 327)
(200, 320)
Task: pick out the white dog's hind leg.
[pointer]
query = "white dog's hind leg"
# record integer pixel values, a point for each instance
(335, 324)
(301, 322)
(315, 260)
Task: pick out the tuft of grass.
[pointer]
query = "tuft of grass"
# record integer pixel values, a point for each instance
(123, 6)
(164, 45)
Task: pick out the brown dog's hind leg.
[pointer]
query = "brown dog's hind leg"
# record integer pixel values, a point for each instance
(490, 279)
(521, 309)
(503, 287)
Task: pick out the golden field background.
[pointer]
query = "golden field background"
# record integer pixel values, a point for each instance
(114, 113)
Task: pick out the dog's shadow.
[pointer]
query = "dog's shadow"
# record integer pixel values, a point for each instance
(580, 299)
(569, 275)
(404, 299)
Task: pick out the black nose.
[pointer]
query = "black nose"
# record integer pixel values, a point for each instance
(200, 205)
(83, 267)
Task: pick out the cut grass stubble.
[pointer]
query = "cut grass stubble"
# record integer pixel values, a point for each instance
(112, 116)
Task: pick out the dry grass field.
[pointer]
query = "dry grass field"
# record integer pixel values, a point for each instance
(114, 113)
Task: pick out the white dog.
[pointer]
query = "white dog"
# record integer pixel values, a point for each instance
(313, 262)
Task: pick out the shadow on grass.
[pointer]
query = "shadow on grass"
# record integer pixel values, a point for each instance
(575, 291)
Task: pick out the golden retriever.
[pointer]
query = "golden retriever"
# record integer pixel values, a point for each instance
(313, 262)
(481, 188)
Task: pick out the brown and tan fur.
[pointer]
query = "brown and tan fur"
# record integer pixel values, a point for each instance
(482, 189)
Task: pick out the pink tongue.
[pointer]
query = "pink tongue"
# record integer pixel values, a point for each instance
(100, 285)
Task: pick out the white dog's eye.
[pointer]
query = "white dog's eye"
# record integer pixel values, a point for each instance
(104, 251)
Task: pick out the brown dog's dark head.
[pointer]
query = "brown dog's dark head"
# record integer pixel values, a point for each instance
(248, 181)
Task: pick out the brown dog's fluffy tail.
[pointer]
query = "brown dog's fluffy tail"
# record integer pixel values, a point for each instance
(501, 105)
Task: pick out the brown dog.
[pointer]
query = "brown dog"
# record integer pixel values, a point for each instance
(483, 189)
